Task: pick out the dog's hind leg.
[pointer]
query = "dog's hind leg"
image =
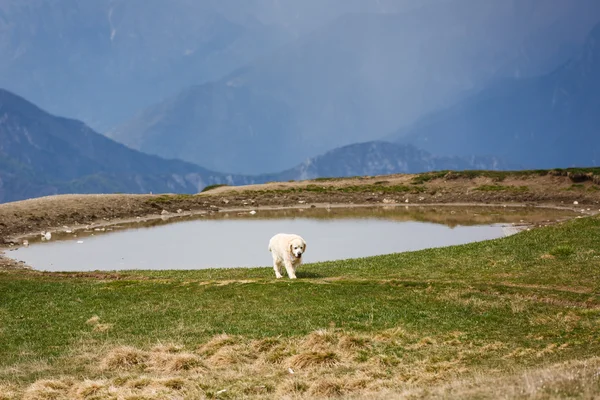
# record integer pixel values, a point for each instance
(277, 267)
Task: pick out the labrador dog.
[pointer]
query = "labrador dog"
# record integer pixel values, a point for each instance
(287, 250)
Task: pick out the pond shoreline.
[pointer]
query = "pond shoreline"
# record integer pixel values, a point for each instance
(23, 219)
(128, 223)
(334, 234)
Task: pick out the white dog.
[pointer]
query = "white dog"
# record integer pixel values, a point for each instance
(286, 250)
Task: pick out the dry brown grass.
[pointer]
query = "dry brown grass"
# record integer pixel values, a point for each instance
(313, 359)
(174, 362)
(565, 380)
(264, 345)
(328, 387)
(8, 391)
(93, 320)
(226, 356)
(217, 342)
(324, 364)
(577, 379)
(102, 327)
(469, 298)
(48, 389)
(292, 388)
(319, 340)
(125, 357)
(167, 348)
(88, 389)
(565, 321)
(142, 388)
(354, 342)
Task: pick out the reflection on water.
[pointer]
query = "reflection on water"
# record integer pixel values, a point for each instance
(240, 240)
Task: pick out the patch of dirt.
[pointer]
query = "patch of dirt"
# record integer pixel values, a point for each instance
(76, 212)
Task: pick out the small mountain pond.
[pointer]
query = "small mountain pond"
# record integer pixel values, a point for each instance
(240, 239)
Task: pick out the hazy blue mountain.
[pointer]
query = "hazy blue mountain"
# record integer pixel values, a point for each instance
(41, 154)
(550, 121)
(300, 17)
(224, 127)
(103, 60)
(356, 78)
(382, 158)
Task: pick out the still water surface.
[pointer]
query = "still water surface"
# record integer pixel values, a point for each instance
(225, 241)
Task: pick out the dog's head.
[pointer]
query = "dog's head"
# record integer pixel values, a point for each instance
(297, 247)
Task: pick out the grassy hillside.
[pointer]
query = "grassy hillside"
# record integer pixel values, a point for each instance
(518, 314)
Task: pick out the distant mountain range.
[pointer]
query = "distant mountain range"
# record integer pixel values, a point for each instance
(383, 158)
(41, 154)
(356, 78)
(544, 122)
(101, 61)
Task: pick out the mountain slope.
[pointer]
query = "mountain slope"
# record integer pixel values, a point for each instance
(352, 80)
(229, 128)
(41, 154)
(382, 158)
(546, 122)
(101, 61)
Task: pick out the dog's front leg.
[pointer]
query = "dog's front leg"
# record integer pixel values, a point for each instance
(289, 267)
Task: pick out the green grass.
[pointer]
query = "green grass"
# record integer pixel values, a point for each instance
(563, 251)
(496, 176)
(428, 176)
(211, 187)
(525, 301)
(575, 174)
(576, 186)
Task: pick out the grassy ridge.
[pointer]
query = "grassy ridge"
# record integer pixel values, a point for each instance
(353, 326)
(575, 174)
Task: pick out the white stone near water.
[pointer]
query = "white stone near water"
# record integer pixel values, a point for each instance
(511, 230)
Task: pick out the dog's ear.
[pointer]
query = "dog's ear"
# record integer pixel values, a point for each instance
(303, 242)
(291, 247)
